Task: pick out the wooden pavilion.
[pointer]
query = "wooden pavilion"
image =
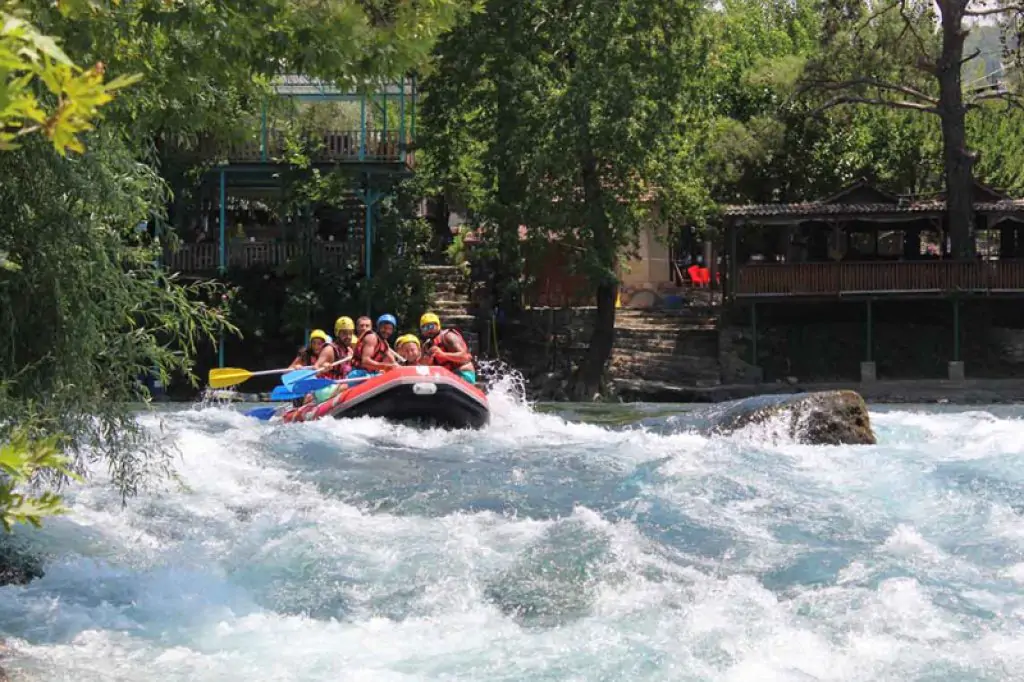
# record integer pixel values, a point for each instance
(865, 244)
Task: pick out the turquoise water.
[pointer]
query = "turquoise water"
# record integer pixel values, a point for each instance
(541, 549)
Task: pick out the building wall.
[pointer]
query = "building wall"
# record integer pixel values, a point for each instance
(652, 265)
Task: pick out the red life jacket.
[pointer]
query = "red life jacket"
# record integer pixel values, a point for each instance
(447, 364)
(336, 371)
(380, 354)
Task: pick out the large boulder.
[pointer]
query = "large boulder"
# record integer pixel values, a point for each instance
(821, 418)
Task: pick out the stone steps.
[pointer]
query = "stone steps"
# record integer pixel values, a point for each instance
(701, 343)
(449, 289)
(674, 346)
(677, 369)
(451, 300)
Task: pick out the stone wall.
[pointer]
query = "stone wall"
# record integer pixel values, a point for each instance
(546, 345)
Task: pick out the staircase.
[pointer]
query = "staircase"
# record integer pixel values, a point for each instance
(678, 347)
(451, 301)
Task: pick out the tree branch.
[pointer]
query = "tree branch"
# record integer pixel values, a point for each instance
(873, 83)
(1012, 100)
(992, 11)
(908, 25)
(891, 104)
(974, 55)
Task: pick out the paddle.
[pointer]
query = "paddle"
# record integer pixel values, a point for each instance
(231, 376)
(309, 385)
(306, 372)
(282, 394)
(262, 413)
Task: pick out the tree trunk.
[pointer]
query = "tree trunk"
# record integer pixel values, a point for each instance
(959, 160)
(588, 379)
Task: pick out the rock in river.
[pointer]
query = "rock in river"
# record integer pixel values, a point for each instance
(821, 418)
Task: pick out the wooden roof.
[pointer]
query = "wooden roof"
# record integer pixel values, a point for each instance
(864, 201)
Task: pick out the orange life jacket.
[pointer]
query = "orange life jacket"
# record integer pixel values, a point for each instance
(380, 354)
(447, 364)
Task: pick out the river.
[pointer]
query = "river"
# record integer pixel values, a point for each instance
(542, 548)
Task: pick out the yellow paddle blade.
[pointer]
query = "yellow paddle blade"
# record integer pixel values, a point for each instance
(228, 376)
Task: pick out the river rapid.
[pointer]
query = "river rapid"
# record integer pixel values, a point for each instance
(541, 548)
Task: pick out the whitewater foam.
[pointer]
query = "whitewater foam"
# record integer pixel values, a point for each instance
(538, 549)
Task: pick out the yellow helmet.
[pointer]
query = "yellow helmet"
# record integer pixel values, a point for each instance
(319, 334)
(344, 324)
(406, 338)
(429, 318)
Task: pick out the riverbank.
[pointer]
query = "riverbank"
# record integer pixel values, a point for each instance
(966, 392)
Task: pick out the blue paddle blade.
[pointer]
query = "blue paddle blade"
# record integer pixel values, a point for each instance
(297, 375)
(282, 394)
(309, 385)
(262, 413)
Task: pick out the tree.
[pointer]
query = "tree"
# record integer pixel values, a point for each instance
(909, 55)
(30, 60)
(767, 145)
(579, 117)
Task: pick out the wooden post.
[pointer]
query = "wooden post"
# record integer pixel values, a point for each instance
(869, 324)
(753, 334)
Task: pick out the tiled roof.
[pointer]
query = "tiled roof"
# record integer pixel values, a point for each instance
(820, 208)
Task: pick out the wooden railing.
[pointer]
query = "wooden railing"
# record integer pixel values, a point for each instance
(816, 279)
(205, 258)
(342, 146)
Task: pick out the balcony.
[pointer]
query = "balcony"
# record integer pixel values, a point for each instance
(782, 280)
(196, 259)
(333, 146)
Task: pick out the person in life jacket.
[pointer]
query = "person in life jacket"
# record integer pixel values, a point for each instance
(331, 362)
(408, 347)
(344, 338)
(372, 353)
(446, 347)
(308, 354)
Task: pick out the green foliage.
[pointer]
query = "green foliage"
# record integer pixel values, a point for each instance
(206, 66)
(30, 61)
(21, 459)
(528, 94)
(769, 144)
(88, 311)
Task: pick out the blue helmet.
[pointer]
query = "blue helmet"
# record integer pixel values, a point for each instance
(387, 319)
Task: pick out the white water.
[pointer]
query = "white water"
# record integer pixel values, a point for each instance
(540, 549)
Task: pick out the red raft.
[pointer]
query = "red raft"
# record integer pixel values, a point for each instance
(421, 395)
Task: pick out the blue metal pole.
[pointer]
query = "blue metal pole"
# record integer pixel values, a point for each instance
(223, 265)
(362, 128)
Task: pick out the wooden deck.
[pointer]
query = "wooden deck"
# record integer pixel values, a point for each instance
(334, 146)
(194, 259)
(880, 278)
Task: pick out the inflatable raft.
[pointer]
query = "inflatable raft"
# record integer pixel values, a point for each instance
(428, 396)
